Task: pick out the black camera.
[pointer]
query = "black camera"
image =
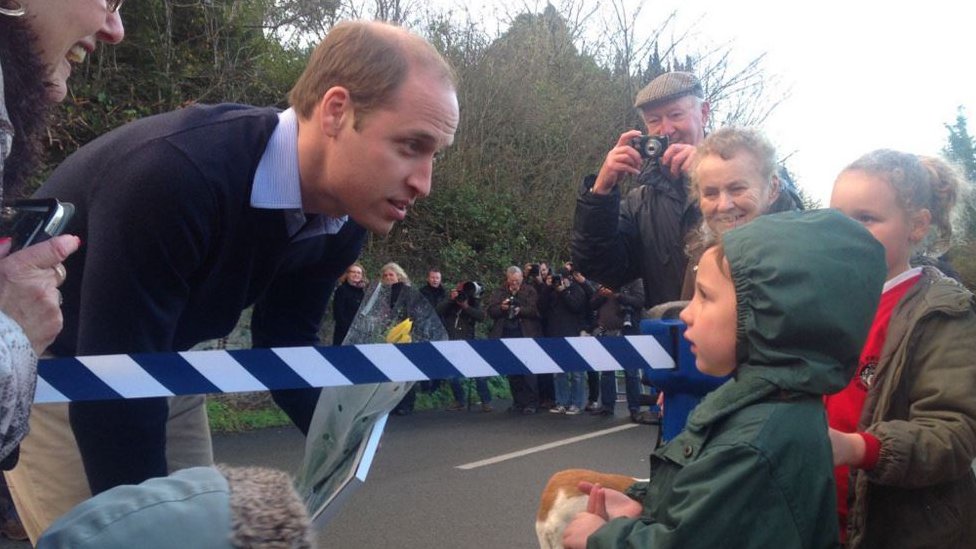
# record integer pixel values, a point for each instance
(557, 279)
(628, 314)
(650, 147)
(513, 304)
(468, 291)
(534, 270)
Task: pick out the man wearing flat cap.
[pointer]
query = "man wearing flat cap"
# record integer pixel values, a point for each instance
(643, 235)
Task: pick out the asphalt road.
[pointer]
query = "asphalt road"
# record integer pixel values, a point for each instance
(416, 496)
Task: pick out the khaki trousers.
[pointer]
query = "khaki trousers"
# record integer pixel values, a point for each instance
(49, 479)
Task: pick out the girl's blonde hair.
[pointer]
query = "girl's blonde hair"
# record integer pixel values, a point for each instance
(919, 182)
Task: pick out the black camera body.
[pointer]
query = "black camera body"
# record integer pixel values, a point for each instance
(628, 316)
(557, 279)
(469, 291)
(513, 303)
(650, 147)
(534, 270)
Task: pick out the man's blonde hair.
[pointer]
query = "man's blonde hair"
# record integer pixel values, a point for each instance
(371, 60)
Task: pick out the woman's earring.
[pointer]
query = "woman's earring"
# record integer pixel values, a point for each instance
(12, 11)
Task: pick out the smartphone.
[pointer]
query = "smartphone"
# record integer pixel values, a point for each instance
(34, 220)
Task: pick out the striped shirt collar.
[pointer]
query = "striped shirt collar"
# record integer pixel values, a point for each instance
(277, 185)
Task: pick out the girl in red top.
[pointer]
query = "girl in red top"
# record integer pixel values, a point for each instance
(904, 430)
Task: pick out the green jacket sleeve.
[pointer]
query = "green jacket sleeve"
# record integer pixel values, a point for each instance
(729, 494)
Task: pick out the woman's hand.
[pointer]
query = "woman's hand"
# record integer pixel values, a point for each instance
(29, 281)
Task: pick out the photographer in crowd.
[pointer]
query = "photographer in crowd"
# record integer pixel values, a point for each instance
(618, 313)
(535, 275)
(460, 313)
(642, 235)
(564, 304)
(514, 308)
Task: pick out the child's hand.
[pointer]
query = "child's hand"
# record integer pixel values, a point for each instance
(848, 448)
(580, 528)
(609, 503)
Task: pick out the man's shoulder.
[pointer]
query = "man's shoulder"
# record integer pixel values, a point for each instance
(210, 118)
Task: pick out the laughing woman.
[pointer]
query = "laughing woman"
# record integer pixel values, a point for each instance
(39, 42)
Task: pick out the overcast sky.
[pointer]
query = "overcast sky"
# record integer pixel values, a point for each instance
(862, 74)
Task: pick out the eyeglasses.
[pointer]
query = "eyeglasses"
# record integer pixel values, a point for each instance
(113, 5)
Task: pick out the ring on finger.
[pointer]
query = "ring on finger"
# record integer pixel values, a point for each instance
(60, 273)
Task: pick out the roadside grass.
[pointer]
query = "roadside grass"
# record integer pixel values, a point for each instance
(235, 414)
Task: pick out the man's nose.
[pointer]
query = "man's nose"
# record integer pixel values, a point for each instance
(112, 30)
(665, 127)
(420, 179)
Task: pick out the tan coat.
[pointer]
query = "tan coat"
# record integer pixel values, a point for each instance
(922, 407)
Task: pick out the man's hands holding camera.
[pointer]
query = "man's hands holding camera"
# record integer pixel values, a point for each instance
(624, 159)
(460, 300)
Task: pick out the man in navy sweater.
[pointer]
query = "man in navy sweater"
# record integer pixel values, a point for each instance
(190, 217)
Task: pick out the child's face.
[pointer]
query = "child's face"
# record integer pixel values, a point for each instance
(711, 318)
(870, 200)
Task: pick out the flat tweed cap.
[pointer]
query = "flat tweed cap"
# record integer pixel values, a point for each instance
(668, 87)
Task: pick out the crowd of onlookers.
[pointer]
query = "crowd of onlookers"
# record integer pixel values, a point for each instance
(532, 301)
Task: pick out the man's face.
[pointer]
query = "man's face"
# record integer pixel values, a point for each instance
(514, 282)
(376, 172)
(434, 279)
(543, 270)
(732, 192)
(711, 318)
(682, 120)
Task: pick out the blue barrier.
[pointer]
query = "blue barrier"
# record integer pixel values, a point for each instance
(143, 375)
(683, 386)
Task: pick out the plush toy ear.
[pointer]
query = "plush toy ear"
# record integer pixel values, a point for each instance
(335, 108)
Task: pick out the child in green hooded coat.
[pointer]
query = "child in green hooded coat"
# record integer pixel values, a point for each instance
(783, 304)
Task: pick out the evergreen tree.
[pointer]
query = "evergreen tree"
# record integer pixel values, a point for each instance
(961, 150)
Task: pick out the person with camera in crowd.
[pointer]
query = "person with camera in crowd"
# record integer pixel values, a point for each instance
(564, 304)
(642, 235)
(460, 314)
(618, 313)
(514, 309)
(589, 323)
(536, 275)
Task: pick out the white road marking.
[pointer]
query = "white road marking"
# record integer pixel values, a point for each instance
(544, 447)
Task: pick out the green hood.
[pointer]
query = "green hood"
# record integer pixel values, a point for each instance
(807, 286)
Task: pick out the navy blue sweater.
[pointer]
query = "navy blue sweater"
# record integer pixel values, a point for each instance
(173, 252)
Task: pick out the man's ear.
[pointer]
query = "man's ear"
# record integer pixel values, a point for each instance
(706, 110)
(334, 110)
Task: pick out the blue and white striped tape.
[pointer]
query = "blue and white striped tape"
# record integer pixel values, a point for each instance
(110, 377)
